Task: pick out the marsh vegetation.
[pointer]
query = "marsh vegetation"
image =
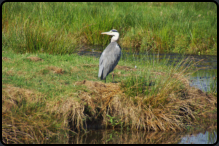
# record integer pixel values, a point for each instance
(49, 91)
(65, 27)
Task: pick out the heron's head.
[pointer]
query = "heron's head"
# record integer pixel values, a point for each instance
(114, 33)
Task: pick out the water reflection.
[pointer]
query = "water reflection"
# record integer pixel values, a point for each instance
(142, 137)
(124, 136)
(201, 138)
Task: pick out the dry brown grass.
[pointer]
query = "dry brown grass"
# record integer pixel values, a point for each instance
(178, 109)
(5, 58)
(55, 69)
(18, 127)
(126, 68)
(12, 96)
(75, 69)
(34, 58)
(10, 72)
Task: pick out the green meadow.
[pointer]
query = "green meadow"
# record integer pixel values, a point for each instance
(62, 28)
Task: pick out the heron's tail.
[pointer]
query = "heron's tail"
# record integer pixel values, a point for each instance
(100, 74)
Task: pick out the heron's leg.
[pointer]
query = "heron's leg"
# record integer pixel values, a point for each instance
(113, 76)
(105, 80)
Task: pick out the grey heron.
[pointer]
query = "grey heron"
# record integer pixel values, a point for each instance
(110, 56)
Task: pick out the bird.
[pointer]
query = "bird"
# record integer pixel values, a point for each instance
(110, 56)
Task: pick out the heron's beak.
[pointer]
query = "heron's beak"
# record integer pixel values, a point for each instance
(108, 33)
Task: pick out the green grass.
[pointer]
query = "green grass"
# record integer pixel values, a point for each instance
(42, 77)
(62, 28)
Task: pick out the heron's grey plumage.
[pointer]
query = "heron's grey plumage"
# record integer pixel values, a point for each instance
(110, 56)
(109, 59)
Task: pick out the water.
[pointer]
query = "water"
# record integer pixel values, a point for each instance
(202, 79)
(118, 136)
(201, 138)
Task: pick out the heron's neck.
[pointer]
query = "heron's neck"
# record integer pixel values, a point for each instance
(115, 38)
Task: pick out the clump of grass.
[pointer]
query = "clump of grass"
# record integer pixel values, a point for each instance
(136, 85)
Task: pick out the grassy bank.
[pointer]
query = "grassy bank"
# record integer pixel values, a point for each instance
(44, 96)
(62, 27)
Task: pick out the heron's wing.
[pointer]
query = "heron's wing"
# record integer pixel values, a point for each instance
(101, 65)
(109, 59)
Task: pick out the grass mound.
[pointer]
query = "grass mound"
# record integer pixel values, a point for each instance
(104, 104)
(173, 113)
